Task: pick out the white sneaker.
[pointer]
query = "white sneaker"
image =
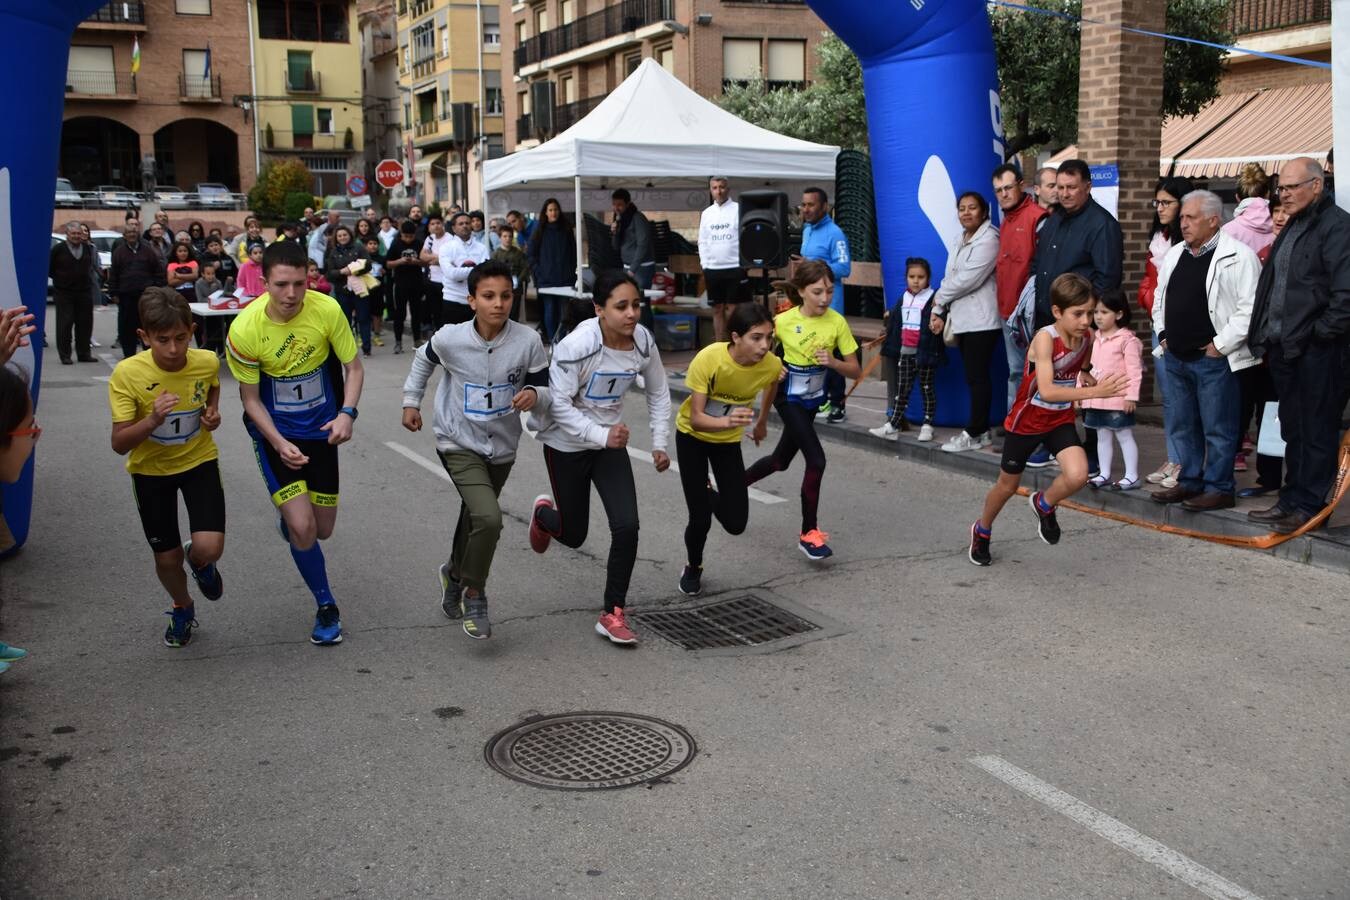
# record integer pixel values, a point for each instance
(985, 440)
(925, 433)
(1163, 471)
(960, 443)
(886, 431)
(1173, 473)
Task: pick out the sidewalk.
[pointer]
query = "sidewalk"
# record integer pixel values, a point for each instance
(1327, 548)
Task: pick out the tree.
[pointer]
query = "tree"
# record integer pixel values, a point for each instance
(829, 111)
(1038, 67)
(277, 179)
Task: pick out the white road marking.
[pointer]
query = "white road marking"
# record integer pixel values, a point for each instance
(108, 358)
(418, 458)
(1178, 865)
(752, 493)
(103, 378)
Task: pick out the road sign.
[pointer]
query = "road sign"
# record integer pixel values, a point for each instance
(360, 201)
(389, 174)
(356, 186)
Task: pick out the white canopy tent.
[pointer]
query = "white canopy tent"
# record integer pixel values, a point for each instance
(661, 141)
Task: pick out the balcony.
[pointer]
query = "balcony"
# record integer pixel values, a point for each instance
(123, 15)
(421, 7)
(100, 85)
(524, 129)
(304, 81)
(424, 66)
(198, 88)
(612, 21)
(422, 129)
(568, 114)
(280, 140)
(1255, 16)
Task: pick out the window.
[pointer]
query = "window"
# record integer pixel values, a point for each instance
(567, 11)
(523, 102)
(407, 58)
(445, 103)
(493, 100)
(424, 43)
(300, 70)
(631, 63)
(407, 117)
(569, 89)
(192, 7)
(787, 64)
(522, 32)
(540, 20)
(492, 37)
(196, 78)
(666, 57)
(90, 71)
(740, 60)
(301, 20)
(325, 117)
(325, 163)
(496, 148)
(445, 42)
(302, 125)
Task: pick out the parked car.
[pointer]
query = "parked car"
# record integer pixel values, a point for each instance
(212, 195)
(114, 196)
(170, 197)
(66, 195)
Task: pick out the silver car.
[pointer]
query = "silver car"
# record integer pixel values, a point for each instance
(114, 196)
(211, 195)
(170, 197)
(66, 195)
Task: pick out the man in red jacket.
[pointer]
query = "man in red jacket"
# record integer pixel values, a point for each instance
(1021, 216)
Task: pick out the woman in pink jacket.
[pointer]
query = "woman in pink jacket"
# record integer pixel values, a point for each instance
(1251, 222)
(1115, 350)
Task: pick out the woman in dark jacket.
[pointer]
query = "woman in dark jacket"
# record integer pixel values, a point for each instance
(338, 266)
(553, 260)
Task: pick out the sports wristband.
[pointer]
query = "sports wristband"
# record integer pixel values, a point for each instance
(349, 410)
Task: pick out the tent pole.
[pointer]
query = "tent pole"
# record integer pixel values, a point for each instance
(580, 224)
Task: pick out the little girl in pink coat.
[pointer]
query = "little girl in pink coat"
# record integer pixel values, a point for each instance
(1115, 350)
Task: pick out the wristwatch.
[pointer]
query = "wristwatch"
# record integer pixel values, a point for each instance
(349, 410)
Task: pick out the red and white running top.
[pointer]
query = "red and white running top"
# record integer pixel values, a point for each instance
(1031, 414)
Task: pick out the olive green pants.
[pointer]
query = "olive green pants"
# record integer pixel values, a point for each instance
(479, 483)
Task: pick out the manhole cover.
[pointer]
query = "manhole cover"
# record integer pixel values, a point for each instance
(738, 622)
(590, 751)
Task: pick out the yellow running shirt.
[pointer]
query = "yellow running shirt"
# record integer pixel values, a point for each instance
(286, 361)
(180, 442)
(801, 336)
(727, 385)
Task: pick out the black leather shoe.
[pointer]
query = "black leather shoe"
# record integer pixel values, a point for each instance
(1174, 495)
(1209, 500)
(1291, 523)
(1271, 514)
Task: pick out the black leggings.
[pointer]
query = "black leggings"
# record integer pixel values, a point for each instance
(405, 301)
(799, 433)
(977, 351)
(571, 475)
(730, 503)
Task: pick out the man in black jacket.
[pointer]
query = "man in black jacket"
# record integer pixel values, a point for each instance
(71, 269)
(135, 267)
(1080, 236)
(1301, 322)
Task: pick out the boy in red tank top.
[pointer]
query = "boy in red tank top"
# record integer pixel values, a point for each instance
(1058, 361)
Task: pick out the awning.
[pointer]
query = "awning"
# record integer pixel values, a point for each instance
(1277, 125)
(425, 162)
(1181, 134)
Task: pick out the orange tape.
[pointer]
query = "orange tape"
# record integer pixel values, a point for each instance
(870, 367)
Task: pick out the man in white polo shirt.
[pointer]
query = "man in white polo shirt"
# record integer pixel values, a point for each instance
(719, 253)
(435, 286)
(457, 255)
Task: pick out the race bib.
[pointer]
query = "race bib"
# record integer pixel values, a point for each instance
(178, 427)
(487, 401)
(609, 387)
(291, 395)
(805, 382)
(718, 408)
(1036, 399)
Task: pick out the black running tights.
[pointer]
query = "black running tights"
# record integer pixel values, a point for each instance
(799, 433)
(730, 503)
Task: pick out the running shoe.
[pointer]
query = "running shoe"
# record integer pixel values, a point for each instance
(1240, 463)
(539, 538)
(450, 594)
(1164, 471)
(474, 612)
(961, 443)
(208, 578)
(885, 431)
(836, 415)
(824, 409)
(691, 580)
(377, 340)
(1040, 459)
(1047, 526)
(813, 545)
(398, 346)
(615, 627)
(9, 654)
(179, 632)
(327, 625)
(979, 546)
(925, 433)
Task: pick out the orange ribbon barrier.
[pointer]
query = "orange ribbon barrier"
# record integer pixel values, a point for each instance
(870, 367)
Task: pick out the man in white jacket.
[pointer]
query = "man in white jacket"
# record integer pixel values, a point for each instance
(719, 253)
(1201, 310)
(457, 256)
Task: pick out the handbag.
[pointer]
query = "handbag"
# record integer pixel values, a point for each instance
(1269, 442)
(948, 334)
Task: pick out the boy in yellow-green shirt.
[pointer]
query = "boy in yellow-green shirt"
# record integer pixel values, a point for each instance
(165, 404)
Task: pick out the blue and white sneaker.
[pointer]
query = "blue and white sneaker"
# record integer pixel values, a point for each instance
(208, 578)
(1040, 459)
(327, 625)
(179, 632)
(812, 543)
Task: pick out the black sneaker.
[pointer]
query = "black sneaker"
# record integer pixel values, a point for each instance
(474, 612)
(691, 580)
(1047, 526)
(836, 415)
(979, 547)
(450, 593)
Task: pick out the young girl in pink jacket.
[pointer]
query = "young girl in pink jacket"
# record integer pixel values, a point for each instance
(1115, 350)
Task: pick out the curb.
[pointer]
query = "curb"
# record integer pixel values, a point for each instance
(1320, 549)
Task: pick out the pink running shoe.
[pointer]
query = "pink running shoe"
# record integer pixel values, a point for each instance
(615, 627)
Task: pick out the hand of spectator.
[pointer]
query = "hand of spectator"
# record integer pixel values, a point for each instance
(1129, 406)
(936, 324)
(1211, 351)
(16, 323)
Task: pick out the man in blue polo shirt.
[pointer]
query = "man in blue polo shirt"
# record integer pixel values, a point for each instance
(825, 241)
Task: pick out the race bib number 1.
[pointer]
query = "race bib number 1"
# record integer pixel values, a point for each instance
(609, 387)
(806, 382)
(178, 427)
(291, 395)
(487, 401)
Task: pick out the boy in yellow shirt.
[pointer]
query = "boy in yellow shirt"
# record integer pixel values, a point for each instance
(165, 404)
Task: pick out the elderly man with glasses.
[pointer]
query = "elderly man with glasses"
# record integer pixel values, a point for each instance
(1301, 322)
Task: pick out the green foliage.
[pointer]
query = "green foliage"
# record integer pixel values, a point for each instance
(829, 111)
(278, 179)
(1038, 67)
(434, 210)
(294, 206)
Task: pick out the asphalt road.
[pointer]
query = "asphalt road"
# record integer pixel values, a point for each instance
(1181, 693)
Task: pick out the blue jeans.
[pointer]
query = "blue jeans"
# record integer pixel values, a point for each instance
(1017, 360)
(1201, 412)
(1160, 376)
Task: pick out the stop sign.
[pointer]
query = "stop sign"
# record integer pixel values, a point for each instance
(389, 173)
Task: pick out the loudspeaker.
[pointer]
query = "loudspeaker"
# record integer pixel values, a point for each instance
(461, 121)
(542, 96)
(763, 229)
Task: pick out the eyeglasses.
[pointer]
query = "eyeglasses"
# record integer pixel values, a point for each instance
(1289, 188)
(1162, 204)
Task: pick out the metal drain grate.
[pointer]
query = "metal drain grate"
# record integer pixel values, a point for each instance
(590, 751)
(740, 622)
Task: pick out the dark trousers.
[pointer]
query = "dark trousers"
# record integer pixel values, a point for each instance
(128, 322)
(571, 474)
(977, 352)
(730, 503)
(834, 386)
(74, 312)
(799, 433)
(1312, 393)
(433, 299)
(405, 302)
(454, 313)
(1257, 390)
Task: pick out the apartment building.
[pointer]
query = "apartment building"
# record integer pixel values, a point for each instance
(167, 79)
(379, 83)
(562, 57)
(450, 84)
(308, 92)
